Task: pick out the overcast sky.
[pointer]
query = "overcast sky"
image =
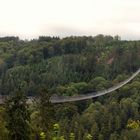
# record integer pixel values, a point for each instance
(32, 18)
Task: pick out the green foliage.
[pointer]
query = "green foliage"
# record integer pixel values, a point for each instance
(70, 66)
(46, 113)
(88, 137)
(72, 136)
(3, 129)
(132, 124)
(42, 136)
(18, 117)
(56, 128)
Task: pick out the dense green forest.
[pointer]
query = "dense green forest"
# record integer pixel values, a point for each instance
(69, 66)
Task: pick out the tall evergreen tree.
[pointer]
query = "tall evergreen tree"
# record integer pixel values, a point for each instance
(46, 112)
(95, 131)
(17, 117)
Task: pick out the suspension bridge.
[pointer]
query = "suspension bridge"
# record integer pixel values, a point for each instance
(63, 99)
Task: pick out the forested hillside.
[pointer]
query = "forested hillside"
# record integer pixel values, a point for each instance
(73, 65)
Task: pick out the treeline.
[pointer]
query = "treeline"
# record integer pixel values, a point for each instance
(111, 117)
(69, 66)
(51, 61)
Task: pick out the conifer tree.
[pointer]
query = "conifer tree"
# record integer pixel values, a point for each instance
(17, 117)
(46, 112)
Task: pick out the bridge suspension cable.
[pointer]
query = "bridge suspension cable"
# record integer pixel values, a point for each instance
(62, 99)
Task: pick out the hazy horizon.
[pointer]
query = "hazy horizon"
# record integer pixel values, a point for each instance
(30, 19)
